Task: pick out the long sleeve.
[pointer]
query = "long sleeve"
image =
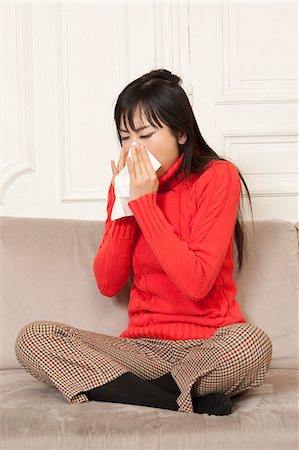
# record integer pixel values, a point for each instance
(112, 263)
(194, 265)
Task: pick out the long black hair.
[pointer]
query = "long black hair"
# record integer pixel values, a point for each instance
(161, 98)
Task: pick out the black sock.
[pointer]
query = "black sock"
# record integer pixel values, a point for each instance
(216, 403)
(167, 383)
(130, 389)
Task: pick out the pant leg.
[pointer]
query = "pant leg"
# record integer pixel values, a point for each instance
(235, 359)
(66, 357)
(75, 360)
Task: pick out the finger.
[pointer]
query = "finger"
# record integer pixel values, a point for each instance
(113, 163)
(114, 169)
(146, 162)
(137, 162)
(122, 158)
(130, 169)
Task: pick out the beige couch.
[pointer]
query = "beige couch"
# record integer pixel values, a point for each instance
(47, 274)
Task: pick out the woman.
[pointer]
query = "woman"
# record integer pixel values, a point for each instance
(187, 347)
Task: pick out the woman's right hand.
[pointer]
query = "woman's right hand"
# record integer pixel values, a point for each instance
(121, 163)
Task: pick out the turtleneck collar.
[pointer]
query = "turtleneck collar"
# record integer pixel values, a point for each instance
(168, 179)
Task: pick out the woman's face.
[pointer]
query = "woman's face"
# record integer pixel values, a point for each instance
(159, 141)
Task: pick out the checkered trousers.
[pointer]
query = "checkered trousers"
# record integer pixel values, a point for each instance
(234, 360)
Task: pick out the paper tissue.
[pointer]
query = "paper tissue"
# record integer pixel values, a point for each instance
(122, 188)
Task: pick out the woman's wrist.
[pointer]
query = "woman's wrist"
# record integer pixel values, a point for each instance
(124, 228)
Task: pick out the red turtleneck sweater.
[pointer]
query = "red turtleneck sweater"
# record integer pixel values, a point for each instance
(179, 244)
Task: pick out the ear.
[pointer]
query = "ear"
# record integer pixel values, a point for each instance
(182, 138)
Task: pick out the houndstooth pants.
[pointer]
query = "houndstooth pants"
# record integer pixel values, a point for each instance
(234, 360)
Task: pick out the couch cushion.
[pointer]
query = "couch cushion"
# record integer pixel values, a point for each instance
(48, 275)
(35, 415)
(268, 286)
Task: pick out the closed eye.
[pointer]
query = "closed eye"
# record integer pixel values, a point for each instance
(145, 137)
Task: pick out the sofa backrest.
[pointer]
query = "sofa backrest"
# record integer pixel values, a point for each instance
(47, 274)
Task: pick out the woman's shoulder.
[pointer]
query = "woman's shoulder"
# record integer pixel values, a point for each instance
(215, 168)
(217, 175)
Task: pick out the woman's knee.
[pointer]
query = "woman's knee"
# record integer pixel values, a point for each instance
(247, 344)
(256, 344)
(26, 338)
(267, 348)
(263, 339)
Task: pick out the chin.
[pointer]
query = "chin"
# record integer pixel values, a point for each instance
(160, 171)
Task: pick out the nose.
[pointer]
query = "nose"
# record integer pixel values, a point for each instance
(129, 142)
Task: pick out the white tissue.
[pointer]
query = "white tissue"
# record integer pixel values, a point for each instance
(122, 188)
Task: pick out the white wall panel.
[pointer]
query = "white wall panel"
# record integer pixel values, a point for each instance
(244, 60)
(63, 65)
(259, 48)
(17, 97)
(84, 54)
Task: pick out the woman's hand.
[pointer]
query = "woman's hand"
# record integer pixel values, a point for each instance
(143, 178)
(121, 164)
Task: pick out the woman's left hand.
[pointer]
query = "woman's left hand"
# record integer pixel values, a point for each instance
(143, 178)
